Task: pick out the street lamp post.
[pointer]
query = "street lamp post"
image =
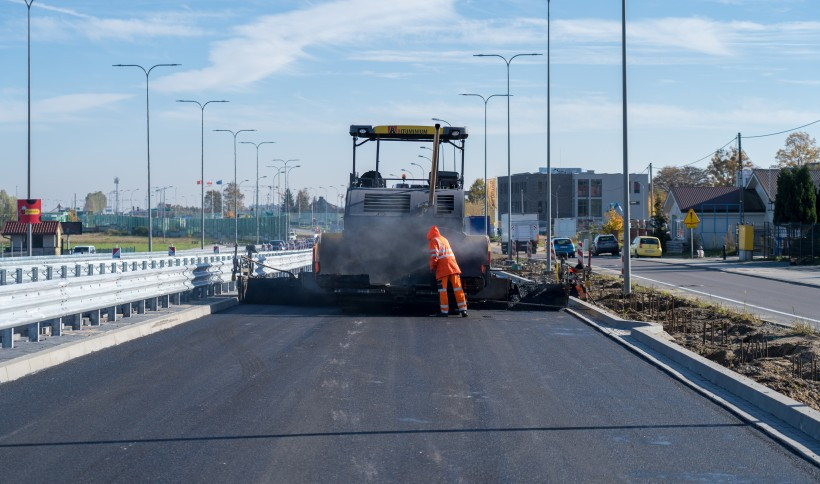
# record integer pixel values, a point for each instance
(509, 168)
(287, 212)
(28, 190)
(236, 190)
(454, 146)
(257, 145)
(148, 141)
(202, 163)
(420, 168)
(486, 100)
(287, 190)
(627, 274)
(277, 207)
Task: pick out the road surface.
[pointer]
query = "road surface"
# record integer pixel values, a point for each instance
(773, 300)
(273, 394)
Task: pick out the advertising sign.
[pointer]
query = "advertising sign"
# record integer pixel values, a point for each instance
(28, 211)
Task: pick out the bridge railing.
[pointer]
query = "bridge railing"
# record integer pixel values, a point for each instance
(117, 289)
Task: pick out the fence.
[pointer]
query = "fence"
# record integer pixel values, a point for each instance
(119, 288)
(795, 241)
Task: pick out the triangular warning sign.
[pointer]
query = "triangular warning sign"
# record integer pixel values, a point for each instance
(691, 218)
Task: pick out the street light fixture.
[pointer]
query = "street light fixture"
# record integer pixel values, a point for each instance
(148, 141)
(29, 228)
(420, 168)
(454, 146)
(202, 163)
(257, 145)
(236, 190)
(486, 100)
(509, 169)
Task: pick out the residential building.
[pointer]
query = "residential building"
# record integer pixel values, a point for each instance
(719, 211)
(764, 182)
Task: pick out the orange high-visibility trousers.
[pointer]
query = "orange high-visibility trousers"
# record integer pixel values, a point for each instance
(453, 280)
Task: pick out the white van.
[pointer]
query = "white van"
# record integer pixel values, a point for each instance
(84, 249)
(291, 236)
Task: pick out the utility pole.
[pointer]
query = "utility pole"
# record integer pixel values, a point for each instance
(627, 274)
(740, 174)
(651, 194)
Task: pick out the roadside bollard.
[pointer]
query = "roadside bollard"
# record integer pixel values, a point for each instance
(724, 252)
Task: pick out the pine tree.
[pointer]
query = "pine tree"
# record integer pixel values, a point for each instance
(805, 211)
(783, 201)
(660, 223)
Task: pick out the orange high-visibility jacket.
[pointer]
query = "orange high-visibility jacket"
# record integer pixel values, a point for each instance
(442, 258)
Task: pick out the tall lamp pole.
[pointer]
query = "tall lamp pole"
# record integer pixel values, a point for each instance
(148, 142)
(627, 273)
(278, 211)
(236, 189)
(420, 168)
(284, 203)
(509, 169)
(257, 145)
(287, 214)
(202, 163)
(454, 146)
(28, 190)
(485, 99)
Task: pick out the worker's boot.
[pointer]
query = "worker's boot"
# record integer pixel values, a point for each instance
(463, 313)
(441, 315)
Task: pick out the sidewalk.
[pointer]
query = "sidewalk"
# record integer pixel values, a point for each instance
(776, 271)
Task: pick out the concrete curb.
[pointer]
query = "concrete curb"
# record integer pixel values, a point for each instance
(729, 271)
(26, 365)
(787, 410)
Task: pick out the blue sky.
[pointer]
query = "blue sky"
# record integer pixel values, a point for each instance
(300, 72)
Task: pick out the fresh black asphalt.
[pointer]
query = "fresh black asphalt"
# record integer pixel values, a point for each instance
(287, 394)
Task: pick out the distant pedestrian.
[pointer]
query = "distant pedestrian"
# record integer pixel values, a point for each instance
(443, 264)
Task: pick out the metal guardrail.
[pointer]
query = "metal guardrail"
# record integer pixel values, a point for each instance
(35, 269)
(122, 288)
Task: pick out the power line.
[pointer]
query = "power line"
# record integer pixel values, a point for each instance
(782, 132)
(712, 152)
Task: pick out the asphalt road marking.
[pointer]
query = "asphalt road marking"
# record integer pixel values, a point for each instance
(682, 288)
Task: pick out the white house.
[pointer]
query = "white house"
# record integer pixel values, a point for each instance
(719, 211)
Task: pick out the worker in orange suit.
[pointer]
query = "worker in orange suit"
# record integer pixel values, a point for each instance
(443, 264)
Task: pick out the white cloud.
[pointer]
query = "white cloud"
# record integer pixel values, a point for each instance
(57, 109)
(274, 42)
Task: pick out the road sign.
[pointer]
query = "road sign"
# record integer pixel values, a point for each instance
(115, 253)
(691, 221)
(172, 251)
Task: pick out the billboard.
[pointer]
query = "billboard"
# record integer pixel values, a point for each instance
(492, 194)
(28, 211)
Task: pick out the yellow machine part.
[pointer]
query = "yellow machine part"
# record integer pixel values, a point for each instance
(746, 237)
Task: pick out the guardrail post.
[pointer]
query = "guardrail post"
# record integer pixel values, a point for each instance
(76, 321)
(63, 272)
(2, 277)
(35, 274)
(33, 332)
(49, 273)
(112, 314)
(153, 304)
(18, 276)
(113, 267)
(56, 327)
(153, 264)
(145, 265)
(141, 306)
(161, 264)
(90, 270)
(165, 301)
(126, 310)
(95, 317)
(8, 338)
(177, 298)
(102, 269)
(211, 290)
(218, 289)
(125, 267)
(78, 271)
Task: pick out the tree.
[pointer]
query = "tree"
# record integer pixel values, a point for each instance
(95, 202)
(660, 225)
(476, 192)
(800, 150)
(303, 200)
(724, 166)
(288, 204)
(8, 208)
(213, 201)
(783, 199)
(614, 223)
(683, 176)
(805, 201)
(230, 190)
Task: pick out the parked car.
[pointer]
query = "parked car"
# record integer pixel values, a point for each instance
(84, 249)
(277, 244)
(644, 246)
(563, 246)
(605, 243)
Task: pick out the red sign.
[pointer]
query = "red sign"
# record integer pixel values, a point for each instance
(28, 211)
(172, 251)
(115, 253)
